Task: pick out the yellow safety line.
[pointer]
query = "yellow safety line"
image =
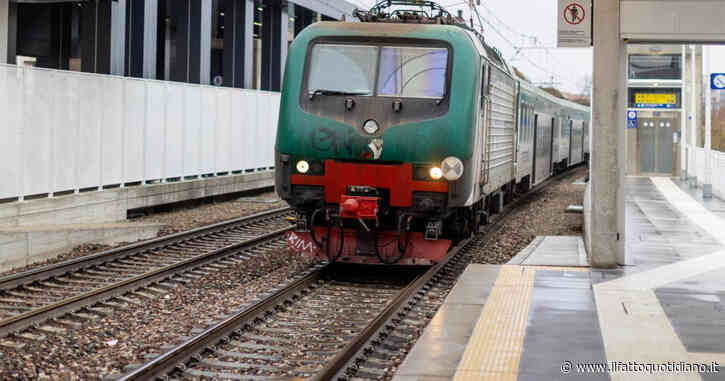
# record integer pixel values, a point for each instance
(560, 268)
(494, 350)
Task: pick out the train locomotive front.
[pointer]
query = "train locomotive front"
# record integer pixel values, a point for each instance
(376, 141)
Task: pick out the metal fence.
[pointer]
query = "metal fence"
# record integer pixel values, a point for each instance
(696, 167)
(65, 131)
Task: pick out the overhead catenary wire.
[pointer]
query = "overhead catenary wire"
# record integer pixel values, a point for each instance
(528, 42)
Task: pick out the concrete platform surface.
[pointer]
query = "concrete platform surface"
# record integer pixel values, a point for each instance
(553, 251)
(661, 319)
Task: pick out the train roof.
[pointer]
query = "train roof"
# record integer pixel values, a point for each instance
(457, 35)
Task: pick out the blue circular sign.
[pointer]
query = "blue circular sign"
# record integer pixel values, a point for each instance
(718, 81)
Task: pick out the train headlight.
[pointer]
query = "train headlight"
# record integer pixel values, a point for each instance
(303, 166)
(371, 127)
(452, 168)
(436, 173)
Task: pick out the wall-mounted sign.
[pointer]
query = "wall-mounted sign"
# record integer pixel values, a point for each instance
(575, 24)
(717, 81)
(631, 119)
(650, 100)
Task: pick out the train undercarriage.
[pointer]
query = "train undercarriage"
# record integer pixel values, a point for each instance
(365, 227)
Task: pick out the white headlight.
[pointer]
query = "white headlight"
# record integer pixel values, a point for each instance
(435, 173)
(303, 166)
(371, 127)
(452, 168)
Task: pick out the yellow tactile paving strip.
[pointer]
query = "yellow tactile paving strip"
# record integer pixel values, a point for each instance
(560, 268)
(494, 350)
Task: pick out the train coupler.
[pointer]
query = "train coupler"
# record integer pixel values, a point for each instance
(360, 203)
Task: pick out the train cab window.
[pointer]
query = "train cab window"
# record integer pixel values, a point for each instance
(342, 69)
(413, 72)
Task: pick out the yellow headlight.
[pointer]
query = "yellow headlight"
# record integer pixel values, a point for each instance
(303, 166)
(436, 173)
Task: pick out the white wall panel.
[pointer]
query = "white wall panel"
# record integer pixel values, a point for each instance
(155, 130)
(223, 130)
(134, 135)
(258, 131)
(66, 120)
(239, 118)
(11, 111)
(207, 136)
(174, 131)
(271, 133)
(37, 131)
(68, 131)
(246, 144)
(89, 133)
(112, 143)
(192, 131)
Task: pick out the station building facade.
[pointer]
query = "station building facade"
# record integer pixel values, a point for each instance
(660, 105)
(233, 43)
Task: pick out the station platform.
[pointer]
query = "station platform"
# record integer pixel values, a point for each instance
(662, 318)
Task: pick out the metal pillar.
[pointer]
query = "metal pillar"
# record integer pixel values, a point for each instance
(150, 35)
(4, 21)
(284, 42)
(200, 41)
(238, 44)
(118, 37)
(141, 38)
(102, 22)
(608, 111)
(707, 181)
(274, 46)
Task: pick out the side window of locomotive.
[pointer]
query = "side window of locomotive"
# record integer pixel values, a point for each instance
(343, 68)
(413, 72)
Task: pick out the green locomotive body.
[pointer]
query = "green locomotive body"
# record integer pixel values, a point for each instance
(397, 139)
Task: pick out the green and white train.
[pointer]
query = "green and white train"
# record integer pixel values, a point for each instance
(408, 127)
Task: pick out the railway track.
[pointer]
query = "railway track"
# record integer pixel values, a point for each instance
(90, 286)
(319, 327)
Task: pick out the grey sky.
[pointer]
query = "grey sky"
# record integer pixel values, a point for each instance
(520, 21)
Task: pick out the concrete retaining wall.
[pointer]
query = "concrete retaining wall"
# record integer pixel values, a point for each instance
(35, 230)
(111, 205)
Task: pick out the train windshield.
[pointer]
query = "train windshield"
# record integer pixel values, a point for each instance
(411, 72)
(343, 69)
(406, 72)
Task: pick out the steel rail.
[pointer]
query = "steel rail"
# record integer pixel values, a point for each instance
(185, 351)
(46, 272)
(36, 316)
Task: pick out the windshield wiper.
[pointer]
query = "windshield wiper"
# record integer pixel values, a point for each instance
(317, 92)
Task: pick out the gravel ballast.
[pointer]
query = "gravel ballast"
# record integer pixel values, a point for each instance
(107, 345)
(543, 215)
(177, 220)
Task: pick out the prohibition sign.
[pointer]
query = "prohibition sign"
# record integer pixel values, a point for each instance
(574, 14)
